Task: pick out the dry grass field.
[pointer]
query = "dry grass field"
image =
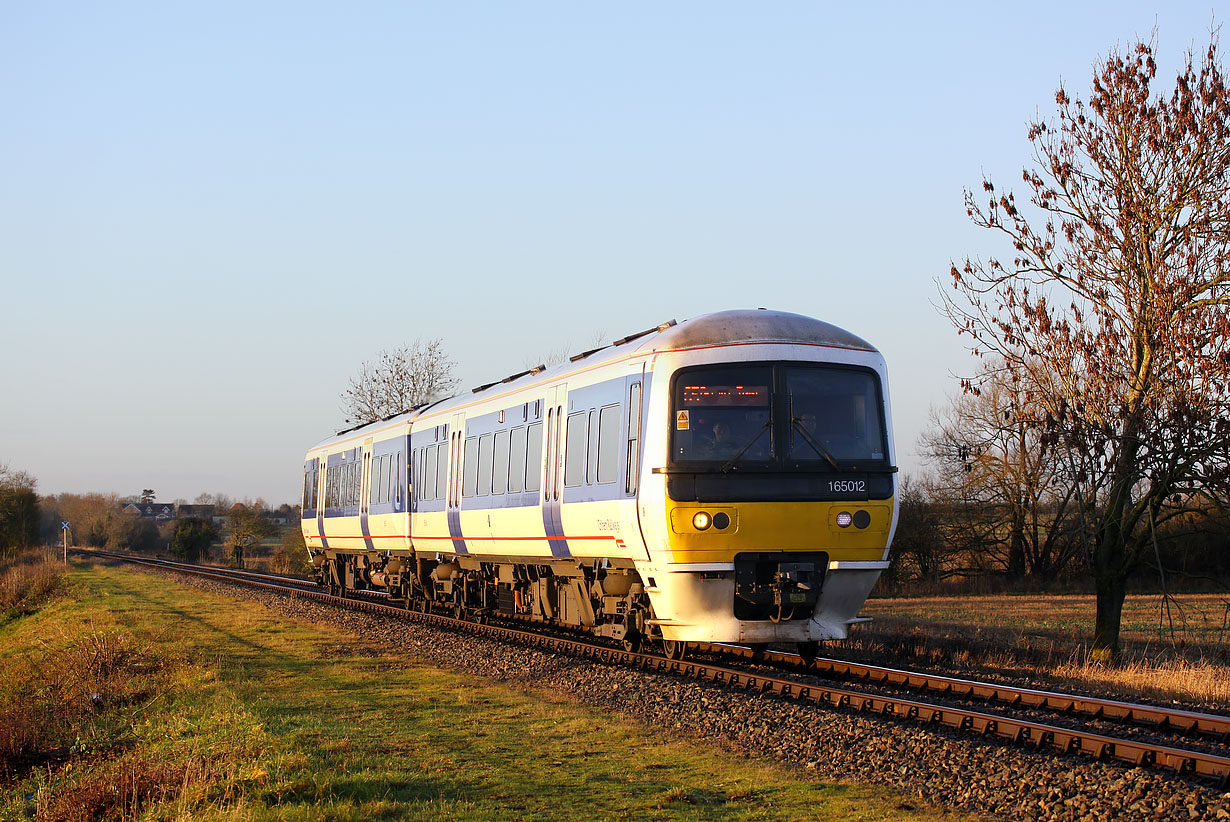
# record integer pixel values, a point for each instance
(1173, 648)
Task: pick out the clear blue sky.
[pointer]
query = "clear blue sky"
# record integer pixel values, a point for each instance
(212, 213)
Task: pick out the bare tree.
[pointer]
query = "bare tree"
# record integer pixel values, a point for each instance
(90, 516)
(221, 502)
(566, 350)
(1115, 299)
(920, 548)
(245, 529)
(399, 379)
(998, 470)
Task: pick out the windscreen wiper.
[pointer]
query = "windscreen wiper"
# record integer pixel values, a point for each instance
(733, 460)
(813, 442)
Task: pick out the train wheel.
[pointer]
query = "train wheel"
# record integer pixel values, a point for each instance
(674, 649)
(632, 642)
(808, 650)
(459, 611)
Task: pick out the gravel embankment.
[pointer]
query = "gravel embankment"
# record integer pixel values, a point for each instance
(928, 766)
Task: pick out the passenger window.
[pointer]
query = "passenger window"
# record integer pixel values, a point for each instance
(441, 462)
(533, 457)
(634, 437)
(591, 465)
(395, 475)
(429, 473)
(516, 461)
(574, 455)
(420, 471)
(469, 481)
(484, 465)
(608, 444)
(386, 478)
(499, 477)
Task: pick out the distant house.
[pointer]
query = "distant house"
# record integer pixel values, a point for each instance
(150, 510)
(184, 511)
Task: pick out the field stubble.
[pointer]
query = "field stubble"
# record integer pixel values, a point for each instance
(1174, 648)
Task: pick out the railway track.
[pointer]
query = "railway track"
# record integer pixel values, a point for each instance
(1134, 734)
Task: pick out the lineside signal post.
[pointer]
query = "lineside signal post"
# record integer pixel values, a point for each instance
(65, 528)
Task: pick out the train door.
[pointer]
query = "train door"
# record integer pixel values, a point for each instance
(365, 494)
(321, 474)
(553, 482)
(404, 488)
(456, 454)
(634, 435)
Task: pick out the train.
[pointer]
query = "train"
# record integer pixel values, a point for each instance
(725, 479)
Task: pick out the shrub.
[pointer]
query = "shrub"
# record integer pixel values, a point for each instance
(65, 699)
(191, 538)
(291, 557)
(29, 580)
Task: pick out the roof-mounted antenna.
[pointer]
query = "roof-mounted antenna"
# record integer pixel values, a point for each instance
(526, 372)
(404, 411)
(640, 334)
(584, 354)
(538, 369)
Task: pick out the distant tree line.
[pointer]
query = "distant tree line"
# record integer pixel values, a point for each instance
(19, 511)
(229, 535)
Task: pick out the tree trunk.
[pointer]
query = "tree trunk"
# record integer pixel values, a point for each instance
(1110, 555)
(1016, 545)
(1111, 591)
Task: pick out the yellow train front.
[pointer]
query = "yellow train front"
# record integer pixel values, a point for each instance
(729, 478)
(769, 503)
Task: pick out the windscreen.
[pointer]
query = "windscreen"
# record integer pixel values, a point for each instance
(778, 416)
(724, 412)
(834, 415)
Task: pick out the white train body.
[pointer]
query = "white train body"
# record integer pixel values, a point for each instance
(726, 479)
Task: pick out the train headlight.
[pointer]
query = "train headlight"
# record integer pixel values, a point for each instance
(721, 521)
(844, 519)
(701, 521)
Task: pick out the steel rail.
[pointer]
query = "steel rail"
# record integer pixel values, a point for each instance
(1042, 736)
(1154, 717)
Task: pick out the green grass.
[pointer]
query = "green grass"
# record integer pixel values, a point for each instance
(231, 712)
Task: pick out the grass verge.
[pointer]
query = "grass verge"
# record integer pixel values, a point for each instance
(199, 706)
(27, 581)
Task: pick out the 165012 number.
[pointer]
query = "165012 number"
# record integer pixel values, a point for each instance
(848, 486)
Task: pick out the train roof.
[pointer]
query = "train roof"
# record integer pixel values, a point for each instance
(740, 326)
(752, 326)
